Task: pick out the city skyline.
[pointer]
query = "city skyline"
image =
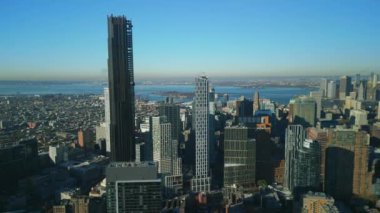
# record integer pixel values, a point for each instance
(235, 39)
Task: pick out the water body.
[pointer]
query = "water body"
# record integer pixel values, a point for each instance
(150, 92)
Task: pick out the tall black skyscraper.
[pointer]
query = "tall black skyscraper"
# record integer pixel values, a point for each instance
(121, 88)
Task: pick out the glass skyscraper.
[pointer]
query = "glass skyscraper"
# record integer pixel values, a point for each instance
(121, 88)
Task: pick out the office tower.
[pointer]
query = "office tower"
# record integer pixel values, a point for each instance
(302, 160)
(161, 140)
(362, 91)
(165, 153)
(107, 119)
(304, 111)
(317, 95)
(344, 87)
(244, 107)
(171, 111)
(201, 181)
(318, 202)
(256, 102)
(331, 89)
(239, 157)
(347, 164)
(323, 87)
(121, 88)
(133, 187)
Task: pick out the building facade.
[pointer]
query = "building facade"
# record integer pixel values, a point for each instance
(133, 187)
(201, 181)
(121, 89)
(239, 157)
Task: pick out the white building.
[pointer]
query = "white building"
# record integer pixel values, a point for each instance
(331, 89)
(201, 181)
(107, 117)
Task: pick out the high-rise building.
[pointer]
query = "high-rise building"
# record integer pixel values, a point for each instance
(107, 119)
(347, 163)
(239, 157)
(345, 86)
(256, 102)
(133, 187)
(317, 95)
(302, 160)
(331, 89)
(323, 87)
(304, 111)
(320, 135)
(362, 90)
(171, 111)
(121, 88)
(244, 107)
(201, 181)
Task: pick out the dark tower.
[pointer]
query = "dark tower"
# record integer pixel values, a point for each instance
(121, 88)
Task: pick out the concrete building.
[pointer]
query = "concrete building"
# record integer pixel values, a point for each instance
(121, 88)
(165, 153)
(172, 113)
(323, 87)
(302, 160)
(133, 187)
(318, 202)
(359, 117)
(331, 90)
(201, 181)
(239, 157)
(256, 102)
(304, 111)
(347, 163)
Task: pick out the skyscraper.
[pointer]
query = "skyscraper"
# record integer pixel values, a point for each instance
(121, 88)
(239, 157)
(331, 89)
(171, 111)
(304, 111)
(201, 181)
(302, 160)
(256, 102)
(323, 87)
(344, 87)
(165, 153)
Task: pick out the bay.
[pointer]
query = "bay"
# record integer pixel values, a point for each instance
(150, 92)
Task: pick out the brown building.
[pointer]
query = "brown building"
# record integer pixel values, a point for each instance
(85, 139)
(59, 209)
(346, 170)
(318, 202)
(320, 135)
(81, 204)
(279, 170)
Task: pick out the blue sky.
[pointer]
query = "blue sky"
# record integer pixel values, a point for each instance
(67, 39)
